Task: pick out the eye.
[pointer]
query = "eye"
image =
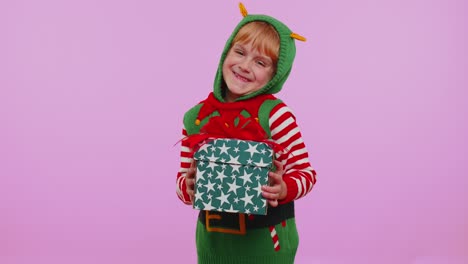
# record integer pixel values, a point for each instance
(238, 51)
(261, 63)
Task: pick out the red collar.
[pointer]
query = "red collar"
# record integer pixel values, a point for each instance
(231, 110)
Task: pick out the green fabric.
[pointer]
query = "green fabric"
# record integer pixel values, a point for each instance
(263, 117)
(264, 114)
(191, 115)
(189, 120)
(287, 52)
(255, 247)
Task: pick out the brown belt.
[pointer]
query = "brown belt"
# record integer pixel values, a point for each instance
(237, 223)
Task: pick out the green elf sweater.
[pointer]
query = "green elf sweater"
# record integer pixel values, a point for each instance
(272, 238)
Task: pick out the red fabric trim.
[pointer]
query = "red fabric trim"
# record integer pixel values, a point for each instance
(292, 190)
(232, 109)
(275, 238)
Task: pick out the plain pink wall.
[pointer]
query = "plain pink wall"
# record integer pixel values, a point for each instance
(92, 94)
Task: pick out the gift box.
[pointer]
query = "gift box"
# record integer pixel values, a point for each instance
(230, 174)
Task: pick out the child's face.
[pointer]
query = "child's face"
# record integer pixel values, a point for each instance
(245, 70)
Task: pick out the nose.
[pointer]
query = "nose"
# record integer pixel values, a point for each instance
(244, 65)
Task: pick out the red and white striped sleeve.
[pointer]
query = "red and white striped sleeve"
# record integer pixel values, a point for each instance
(299, 175)
(185, 161)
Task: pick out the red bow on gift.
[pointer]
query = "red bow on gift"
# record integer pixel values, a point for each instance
(247, 128)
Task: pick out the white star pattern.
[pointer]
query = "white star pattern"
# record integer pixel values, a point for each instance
(247, 199)
(208, 206)
(233, 187)
(198, 195)
(234, 160)
(223, 149)
(212, 158)
(211, 165)
(213, 148)
(235, 168)
(262, 164)
(223, 198)
(231, 210)
(221, 176)
(252, 149)
(222, 164)
(246, 177)
(200, 175)
(204, 148)
(210, 186)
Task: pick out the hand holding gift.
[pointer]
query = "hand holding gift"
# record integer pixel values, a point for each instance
(277, 189)
(190, 180)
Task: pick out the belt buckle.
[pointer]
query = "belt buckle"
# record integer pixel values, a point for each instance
(209, 228)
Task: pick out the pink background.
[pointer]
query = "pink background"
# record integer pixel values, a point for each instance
(92, 94)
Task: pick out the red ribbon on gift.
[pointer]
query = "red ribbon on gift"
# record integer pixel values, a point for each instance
(247, 128)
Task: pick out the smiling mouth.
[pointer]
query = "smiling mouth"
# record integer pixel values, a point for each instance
(240, 77)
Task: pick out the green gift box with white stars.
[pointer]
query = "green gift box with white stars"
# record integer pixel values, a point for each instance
(230, 173)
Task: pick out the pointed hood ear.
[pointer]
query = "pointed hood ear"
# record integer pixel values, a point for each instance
(243, 10)
(287, 52)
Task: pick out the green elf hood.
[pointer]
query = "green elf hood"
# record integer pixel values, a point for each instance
(287, 52)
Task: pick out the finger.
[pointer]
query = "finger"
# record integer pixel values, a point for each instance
(272, 189)
(191, 172)
(191, 193)
(273, 203)
(275, 177)
(270, 195)
(190, 182)
(279, 166)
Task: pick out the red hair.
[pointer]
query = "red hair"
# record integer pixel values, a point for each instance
(263, 37)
